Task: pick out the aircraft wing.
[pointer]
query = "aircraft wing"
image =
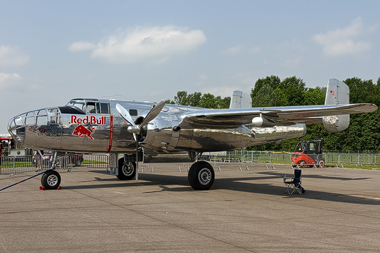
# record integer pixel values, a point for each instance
(231, 118)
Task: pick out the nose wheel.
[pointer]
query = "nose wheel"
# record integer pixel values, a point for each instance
(51, 179)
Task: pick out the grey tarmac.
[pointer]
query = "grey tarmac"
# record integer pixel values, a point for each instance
(246, 210)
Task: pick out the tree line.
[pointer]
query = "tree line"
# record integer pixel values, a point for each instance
(363, 134)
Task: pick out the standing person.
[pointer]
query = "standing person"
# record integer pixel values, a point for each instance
(38, 158)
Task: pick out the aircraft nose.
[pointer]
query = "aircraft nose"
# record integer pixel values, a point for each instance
(16, 128)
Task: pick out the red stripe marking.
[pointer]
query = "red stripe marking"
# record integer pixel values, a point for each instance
(111, 134)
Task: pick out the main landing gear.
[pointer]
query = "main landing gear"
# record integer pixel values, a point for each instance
(201, 174)
(126, 170)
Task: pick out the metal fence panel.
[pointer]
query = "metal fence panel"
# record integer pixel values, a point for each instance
(14, 165)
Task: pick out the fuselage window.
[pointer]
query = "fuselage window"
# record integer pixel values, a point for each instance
(54, 116)
(133, 112)
(32, 113)
(42, 120)
(42, 112)
(104, 108)
(30, 121)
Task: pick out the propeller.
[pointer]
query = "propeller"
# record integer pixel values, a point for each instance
(151, 115)
(136, 129)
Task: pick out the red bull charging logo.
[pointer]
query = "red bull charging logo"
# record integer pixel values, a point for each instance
(82, 131)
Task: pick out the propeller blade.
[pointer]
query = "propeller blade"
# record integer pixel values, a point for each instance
(125, 114)
(152, 114)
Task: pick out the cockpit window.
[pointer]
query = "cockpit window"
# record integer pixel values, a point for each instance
(77, 103)
(86, 106)
(92, 107)
(102, 108)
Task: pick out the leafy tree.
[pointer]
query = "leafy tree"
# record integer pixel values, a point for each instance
(272, 81)
(181, 98)
(294, 89)
(207, 101)
(194, 98)
(264, 97)
(314, 96)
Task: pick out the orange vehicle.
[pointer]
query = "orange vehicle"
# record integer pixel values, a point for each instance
(308, 153)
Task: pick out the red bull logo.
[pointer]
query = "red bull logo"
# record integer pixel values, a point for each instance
(93, 120)
(81, 131)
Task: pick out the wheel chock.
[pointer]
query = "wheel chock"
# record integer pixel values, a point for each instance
(44, 189)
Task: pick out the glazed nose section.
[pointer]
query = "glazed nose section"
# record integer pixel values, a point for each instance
(16, 128)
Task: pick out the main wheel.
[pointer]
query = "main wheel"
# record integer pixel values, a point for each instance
(51, 179)
(201, 176)
(127, 170)
(321, 163)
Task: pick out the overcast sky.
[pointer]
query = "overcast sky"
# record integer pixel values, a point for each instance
(52, 51)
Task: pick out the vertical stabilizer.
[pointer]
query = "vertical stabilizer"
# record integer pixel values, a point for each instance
(240, 99)
(337, 93)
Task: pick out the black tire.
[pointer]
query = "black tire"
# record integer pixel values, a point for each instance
(201, 176)
(127, 170)
(51, 179)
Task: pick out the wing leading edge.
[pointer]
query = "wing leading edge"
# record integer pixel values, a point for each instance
(231, 118)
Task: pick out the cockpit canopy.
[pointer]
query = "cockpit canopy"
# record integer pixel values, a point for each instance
(89, 105)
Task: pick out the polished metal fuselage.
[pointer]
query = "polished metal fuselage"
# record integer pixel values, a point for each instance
(63, 129)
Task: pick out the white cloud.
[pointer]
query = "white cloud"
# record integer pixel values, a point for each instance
(233, 51)
(154, 44)
(7, 80)
(81, 46)
(255, 50)
(344, 41)
(12, 56)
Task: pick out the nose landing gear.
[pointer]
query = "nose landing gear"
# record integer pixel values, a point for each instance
(51, 178)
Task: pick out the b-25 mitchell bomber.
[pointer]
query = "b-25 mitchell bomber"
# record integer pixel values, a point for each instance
(115, 126)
